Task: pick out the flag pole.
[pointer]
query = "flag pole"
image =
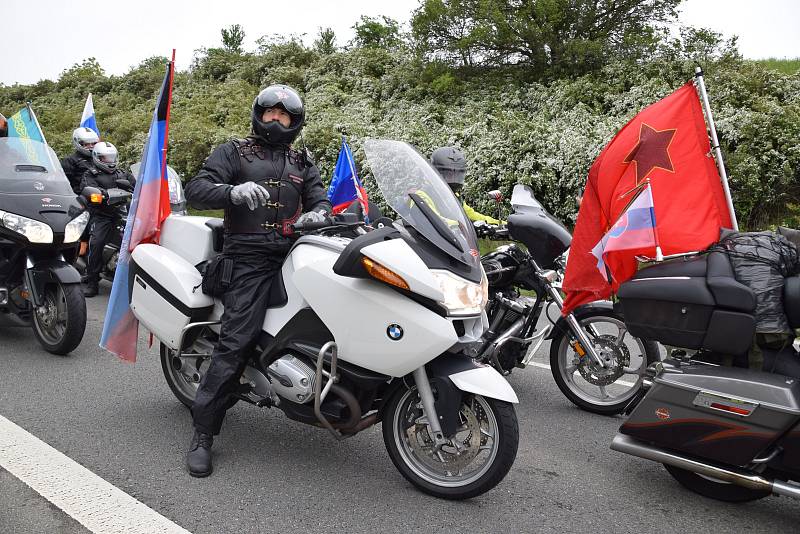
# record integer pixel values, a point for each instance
(36, 121)
(701, 84)
(659, 253)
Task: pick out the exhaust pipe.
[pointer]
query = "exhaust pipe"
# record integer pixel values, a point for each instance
(628, 445)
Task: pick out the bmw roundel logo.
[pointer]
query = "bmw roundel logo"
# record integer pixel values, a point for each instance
(395, 332)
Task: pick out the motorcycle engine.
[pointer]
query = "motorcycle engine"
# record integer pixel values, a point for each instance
(292, 379)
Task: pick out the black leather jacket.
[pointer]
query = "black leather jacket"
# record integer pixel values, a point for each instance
(292, 180)
(103, 180)
(75, 165)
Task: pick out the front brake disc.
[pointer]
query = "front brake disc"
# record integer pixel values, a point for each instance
(616, 358)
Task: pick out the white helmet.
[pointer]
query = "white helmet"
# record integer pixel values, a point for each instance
(84, 139)
(104, 155)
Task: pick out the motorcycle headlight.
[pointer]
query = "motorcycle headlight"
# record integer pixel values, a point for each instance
(75, 227)
(35, 231)
(462, 297)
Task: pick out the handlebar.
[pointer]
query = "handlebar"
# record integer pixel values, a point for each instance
(484, 229)
(312, 226)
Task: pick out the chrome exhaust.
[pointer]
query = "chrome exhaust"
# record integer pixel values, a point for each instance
(628, 445)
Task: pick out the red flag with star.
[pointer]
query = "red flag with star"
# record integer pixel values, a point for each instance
(667, 144)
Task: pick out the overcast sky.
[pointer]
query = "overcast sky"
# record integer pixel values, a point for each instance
(41, 38)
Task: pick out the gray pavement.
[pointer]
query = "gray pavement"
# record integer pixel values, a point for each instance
(273, 475)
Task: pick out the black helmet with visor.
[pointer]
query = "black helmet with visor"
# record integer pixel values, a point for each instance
(451, 165)
(273, 132)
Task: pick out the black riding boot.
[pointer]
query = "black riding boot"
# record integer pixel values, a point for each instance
(198, 459)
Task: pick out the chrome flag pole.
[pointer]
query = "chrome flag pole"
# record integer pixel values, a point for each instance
(701, 84)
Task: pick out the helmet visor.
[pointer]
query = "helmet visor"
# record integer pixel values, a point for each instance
(280, 97)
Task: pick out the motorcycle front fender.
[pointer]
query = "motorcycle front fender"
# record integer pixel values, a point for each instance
(47, 272)
(453, 375)
(561, 325)
(470, 376)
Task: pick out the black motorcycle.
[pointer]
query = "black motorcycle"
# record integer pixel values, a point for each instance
(41, 222)
(595, 362)
(116, 198)
(730, 433)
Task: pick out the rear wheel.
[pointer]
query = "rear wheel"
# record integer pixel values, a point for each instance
(475, 459)
(59, 323)
(713, 488)
(183, 374)
(602, 390)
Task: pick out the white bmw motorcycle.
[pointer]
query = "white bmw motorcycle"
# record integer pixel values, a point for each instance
(359, 330)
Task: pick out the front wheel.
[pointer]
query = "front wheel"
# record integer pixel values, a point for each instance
(59, 323)
(603, 390)
(475, 459)
(713, 488)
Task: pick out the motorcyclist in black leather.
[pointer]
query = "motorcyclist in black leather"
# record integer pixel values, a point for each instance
(264, 186)
(76, 164)
(103, 175)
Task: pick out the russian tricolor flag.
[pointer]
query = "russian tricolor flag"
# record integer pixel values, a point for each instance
(149, 207)
(345, 185)
(634, 232)
(87, 119)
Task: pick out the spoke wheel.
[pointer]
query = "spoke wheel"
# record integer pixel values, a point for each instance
(474, 459)
(603, 389)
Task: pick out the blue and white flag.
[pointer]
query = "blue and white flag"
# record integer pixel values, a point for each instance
(87, 119)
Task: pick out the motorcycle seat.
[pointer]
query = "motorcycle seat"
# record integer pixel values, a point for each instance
(217, 233)
(791, 300)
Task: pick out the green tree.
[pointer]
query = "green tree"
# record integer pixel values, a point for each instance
(325, 43)
(232, 38)
(554, 37)
(379, 32)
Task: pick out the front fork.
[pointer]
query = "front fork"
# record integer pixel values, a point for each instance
(583, 343)
(429, 406)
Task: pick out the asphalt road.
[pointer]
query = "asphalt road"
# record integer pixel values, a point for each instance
(273, 475)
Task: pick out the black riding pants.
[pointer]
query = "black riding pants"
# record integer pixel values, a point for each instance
(245, 307)
(102, 230)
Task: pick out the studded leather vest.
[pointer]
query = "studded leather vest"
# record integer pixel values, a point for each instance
(281, 176)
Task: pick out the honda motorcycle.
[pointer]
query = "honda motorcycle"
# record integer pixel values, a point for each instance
(728, 433)
(358, 331)
(595, 362)
(41, 221)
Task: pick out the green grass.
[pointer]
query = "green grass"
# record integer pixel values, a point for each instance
(207, 213)
(786, 66)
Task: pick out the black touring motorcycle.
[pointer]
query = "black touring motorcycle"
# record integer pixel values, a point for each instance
(41, 222)
(727, 432)
(595, 362)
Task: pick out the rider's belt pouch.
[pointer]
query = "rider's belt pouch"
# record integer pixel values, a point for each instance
(217, 276)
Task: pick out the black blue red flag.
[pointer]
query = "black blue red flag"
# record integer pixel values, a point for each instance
(149, 208)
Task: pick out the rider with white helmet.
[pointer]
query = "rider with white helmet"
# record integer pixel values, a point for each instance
(77, 163)
(103, 174)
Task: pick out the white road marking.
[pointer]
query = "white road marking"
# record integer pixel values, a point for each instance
(546, 366)
(94, 503)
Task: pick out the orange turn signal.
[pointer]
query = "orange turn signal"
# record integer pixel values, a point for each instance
(96, 198)
(378, 271)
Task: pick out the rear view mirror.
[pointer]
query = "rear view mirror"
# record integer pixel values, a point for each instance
(495, 195)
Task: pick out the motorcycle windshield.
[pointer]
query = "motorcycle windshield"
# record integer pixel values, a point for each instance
(414, 190)
(523, 201)
(28, 166)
